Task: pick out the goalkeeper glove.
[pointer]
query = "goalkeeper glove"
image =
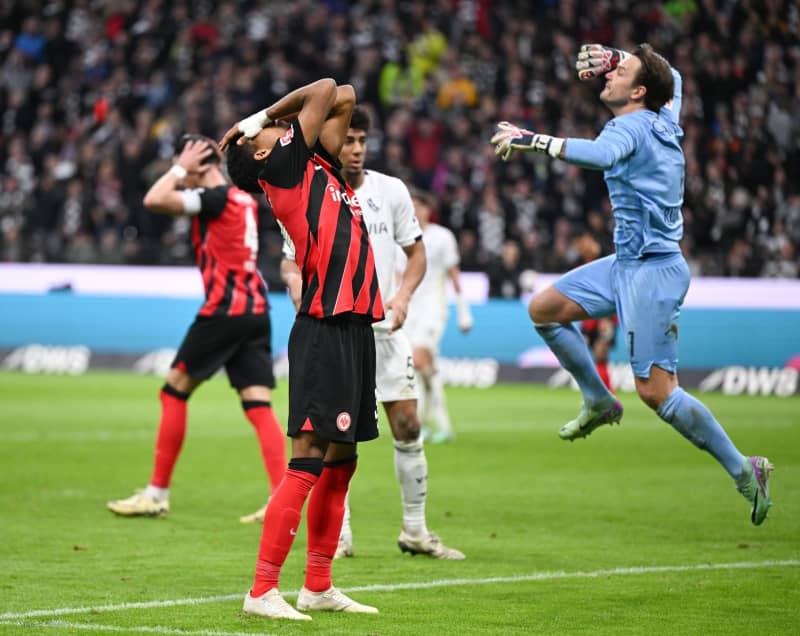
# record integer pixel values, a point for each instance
(595, 60)
(509, 138)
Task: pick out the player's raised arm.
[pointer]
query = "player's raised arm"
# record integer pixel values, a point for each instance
(311, 104)
(673, 107)
(635, 82)
(165, 196)
(335, 127)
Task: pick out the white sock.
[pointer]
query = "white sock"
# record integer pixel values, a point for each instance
(346, 532)
(159, 494)
(411, 469)
(438, 406)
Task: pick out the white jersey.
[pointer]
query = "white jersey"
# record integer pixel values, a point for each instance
(429, 301)
(389, 216)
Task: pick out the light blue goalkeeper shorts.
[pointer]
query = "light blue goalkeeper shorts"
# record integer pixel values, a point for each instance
(646, 295)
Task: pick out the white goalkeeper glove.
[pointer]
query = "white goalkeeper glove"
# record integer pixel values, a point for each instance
(595, 60)
(254, 124)
(464, 315)
(509, 138)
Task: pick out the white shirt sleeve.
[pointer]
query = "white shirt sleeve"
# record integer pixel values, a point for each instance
(406, 226)
(191, 201)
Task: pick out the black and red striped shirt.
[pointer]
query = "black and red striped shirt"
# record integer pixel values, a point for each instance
(319, 213)
(225, 241)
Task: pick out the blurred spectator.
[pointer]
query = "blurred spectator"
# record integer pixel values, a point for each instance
(504, 273)
(93, 95)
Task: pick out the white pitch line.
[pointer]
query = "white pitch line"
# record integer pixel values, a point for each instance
(143, 629)
(420, 585)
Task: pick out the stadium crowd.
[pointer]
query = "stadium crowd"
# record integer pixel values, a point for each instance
(94, 94)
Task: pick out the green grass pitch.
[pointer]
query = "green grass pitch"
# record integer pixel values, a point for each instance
(632, 531)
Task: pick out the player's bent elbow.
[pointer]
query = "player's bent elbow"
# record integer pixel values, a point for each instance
(327, 87)
(345, 94)
(150, 202)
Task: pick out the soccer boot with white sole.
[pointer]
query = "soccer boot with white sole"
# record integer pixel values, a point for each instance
(590, 418)
(272, 605)
(331, 600)
(753, 485)
(345, 547)
(140, 504)
(428, 544)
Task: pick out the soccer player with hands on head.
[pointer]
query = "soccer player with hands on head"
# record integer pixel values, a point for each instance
(388, 211)
(289, 151)
(232, 328)
(647, 278)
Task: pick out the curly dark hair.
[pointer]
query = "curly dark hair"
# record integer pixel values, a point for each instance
(656, 76)
(243, 169)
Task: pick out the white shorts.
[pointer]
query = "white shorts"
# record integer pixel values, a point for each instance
(425, 333)
(395, 378)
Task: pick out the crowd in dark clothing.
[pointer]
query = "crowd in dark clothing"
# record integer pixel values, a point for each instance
(93, 95)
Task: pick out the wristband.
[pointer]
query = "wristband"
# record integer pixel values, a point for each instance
(547, 144)
(178, 171)
(254, 124)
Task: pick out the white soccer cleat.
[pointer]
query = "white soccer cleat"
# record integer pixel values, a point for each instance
(140, 504)
(331, 600)
(257, 516)
(590, 418)
(272, 605)
(345, 547)
(428, 544)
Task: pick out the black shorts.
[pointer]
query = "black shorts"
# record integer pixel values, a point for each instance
(242, 344)
(332, 378)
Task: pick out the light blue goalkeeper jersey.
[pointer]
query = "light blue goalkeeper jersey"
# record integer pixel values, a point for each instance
(644, 168)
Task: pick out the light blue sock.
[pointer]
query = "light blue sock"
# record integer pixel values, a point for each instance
(692, 419)
(570, 348)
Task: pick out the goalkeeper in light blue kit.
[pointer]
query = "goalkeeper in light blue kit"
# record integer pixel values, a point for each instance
(646, 280)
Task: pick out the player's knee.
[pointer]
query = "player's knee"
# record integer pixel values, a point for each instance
(405, 426)
(181, 381)
(650, 394)
(535, 311)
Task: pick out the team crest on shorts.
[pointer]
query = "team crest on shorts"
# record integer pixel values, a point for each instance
(343, 421)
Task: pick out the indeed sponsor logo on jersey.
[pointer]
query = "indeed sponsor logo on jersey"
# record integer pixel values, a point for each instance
(350, 199)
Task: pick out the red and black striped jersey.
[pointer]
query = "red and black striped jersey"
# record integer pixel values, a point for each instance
(225, 241)
(320, 215)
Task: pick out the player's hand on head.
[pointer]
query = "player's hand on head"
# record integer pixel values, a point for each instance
(509, 138)
(230, 136)
(246, 128)
(595, 60)
(193, 154)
